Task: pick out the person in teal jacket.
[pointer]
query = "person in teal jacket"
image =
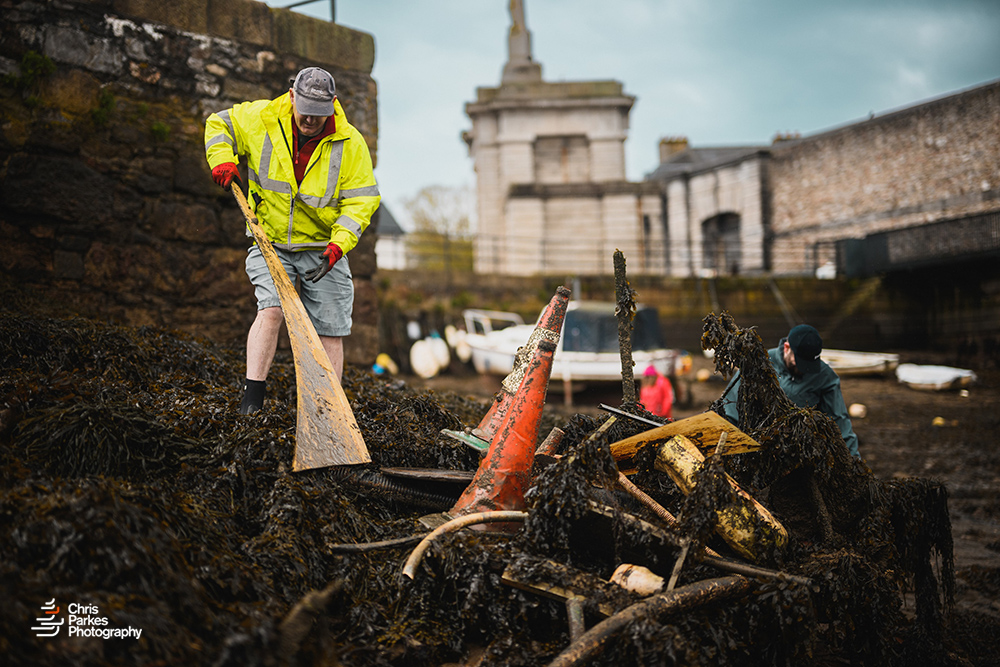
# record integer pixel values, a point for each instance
(807, 380)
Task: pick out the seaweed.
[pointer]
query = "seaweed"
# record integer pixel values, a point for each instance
(130, 482)
(883, 535)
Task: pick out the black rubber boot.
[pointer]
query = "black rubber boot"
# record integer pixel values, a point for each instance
(253, 396)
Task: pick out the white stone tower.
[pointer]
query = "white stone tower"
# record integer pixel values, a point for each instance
(550, 170)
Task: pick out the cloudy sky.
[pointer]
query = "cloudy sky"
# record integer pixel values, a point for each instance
(720, 72)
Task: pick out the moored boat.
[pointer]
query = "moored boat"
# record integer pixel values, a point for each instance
(849, 362)
(934, 378)
(588, 349)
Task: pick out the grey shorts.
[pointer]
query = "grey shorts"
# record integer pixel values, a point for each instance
(329, 302)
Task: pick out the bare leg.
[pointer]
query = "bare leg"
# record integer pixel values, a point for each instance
(262, 341)
(334, 346)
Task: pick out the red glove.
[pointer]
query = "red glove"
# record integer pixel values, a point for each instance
(331, 255)
(223, 175)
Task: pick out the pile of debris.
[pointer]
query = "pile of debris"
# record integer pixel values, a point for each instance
(133, 488)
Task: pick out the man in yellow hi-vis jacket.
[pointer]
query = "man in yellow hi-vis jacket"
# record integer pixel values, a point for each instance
(313, 192)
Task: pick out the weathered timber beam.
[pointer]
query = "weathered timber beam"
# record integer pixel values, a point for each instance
(683, 599)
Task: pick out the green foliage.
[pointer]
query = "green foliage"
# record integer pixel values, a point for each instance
(439, 252)
(161, 131)
(34, 66)
(463, 299)
(442, 239)
(105, 106)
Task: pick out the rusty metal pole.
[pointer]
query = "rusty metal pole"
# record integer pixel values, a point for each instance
(625, 312)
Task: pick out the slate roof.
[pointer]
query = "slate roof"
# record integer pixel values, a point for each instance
(691, 160)
(387, 225)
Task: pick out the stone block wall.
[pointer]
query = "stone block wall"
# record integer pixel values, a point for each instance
(733, 188)
(107, 207)
(934, 161)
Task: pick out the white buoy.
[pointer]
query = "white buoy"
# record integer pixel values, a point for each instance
(413, 330)
(439, 348)
(423, 360)
(462, 348)
(451, 335)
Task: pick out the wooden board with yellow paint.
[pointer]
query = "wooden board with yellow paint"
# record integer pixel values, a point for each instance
(704, 430)
(748, 527)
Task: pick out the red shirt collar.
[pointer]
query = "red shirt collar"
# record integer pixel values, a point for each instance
(329, 128)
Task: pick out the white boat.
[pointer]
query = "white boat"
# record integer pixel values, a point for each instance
(934, 378)
(848, 362)
(588, 348)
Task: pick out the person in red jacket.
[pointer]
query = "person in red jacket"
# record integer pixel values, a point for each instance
(656, 393)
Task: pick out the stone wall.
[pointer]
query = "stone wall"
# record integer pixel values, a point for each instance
(107, 207)
(934, 161)
(936, 319)
(732, 188)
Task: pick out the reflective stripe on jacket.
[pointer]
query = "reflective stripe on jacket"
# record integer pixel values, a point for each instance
(338, 193)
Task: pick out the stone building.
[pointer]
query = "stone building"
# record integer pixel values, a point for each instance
(105, 196)
(715, 208)
(899, 189)
(911, 187)
(550, 171)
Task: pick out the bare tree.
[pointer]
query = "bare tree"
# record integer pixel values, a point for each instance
(443, 218)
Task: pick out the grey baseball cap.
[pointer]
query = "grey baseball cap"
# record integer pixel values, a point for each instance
(314, 92)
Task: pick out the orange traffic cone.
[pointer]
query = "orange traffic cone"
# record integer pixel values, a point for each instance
(548, 328)
(504, 475)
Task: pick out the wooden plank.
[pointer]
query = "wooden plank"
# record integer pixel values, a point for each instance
(704, 430)
(748, 527)
(431, 474)
(326, 433)
(552, 591)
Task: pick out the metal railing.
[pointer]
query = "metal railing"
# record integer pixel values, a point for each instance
(941, 242)
(333, 7)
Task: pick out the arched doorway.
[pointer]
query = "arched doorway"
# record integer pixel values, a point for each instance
(720, 236)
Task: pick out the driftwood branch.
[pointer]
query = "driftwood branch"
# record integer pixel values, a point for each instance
(826, 524)
(681, 600)
(365, 547)
(679, 564)
(710, 557)
(625, 311)
(574, 613)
